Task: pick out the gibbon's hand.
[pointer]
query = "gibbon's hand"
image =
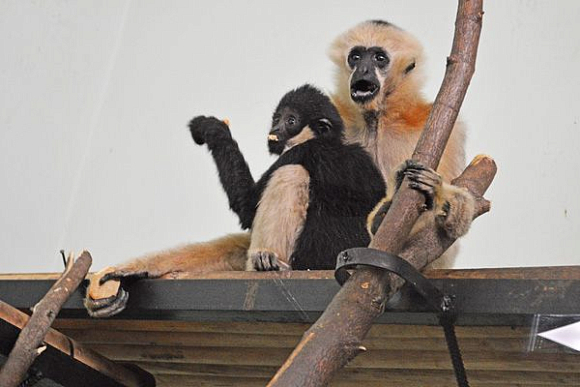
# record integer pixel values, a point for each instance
(209, 130)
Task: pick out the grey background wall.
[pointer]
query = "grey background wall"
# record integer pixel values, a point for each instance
(95, 97)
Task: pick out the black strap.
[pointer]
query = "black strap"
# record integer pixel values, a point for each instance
(442, 303)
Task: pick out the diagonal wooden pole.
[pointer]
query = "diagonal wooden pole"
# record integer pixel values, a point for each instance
(335, 339)
(30, 341)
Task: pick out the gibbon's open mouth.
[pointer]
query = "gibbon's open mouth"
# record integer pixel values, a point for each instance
(363, 90)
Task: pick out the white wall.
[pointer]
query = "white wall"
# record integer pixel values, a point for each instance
(95, 97)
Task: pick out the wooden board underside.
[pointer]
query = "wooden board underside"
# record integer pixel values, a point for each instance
(183, 353)
(79, 358)
(229, 353)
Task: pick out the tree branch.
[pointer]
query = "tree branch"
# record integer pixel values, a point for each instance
(29, 343)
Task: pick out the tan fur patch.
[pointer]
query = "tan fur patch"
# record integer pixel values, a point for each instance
(222, 254)
(305, 134)
(281, 212)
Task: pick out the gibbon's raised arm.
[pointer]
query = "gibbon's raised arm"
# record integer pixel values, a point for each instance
(233, 170)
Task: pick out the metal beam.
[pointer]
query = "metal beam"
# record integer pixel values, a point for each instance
(511, 301)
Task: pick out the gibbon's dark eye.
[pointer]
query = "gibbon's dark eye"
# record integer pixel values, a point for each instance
(291, 120)
(380, 57)
(275, 119)
(353, 58)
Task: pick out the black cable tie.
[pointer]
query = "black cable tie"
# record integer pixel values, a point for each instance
(443, 304)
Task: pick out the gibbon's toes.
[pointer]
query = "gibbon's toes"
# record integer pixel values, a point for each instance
(265, 261)
(455, 217)
(443, 212)
(107, 307)
(446, 217)
(105, 295)
(406, 165)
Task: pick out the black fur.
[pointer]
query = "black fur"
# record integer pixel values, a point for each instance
(381, 22)
(344, 187)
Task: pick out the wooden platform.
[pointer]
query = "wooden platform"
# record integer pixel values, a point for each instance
(236, 329)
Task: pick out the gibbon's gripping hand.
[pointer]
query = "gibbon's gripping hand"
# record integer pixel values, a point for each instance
(424, 180)
(452, 207)
(263, 260)
(106, 295)
(209, 130)
(421, 178)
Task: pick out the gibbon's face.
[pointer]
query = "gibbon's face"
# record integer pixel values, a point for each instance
(369, 66)
(288, 130)
(375, 59)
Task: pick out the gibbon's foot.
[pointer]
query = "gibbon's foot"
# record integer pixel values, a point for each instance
(264, 260)
(456, 213)
(208, 130)
(424, 180)
(107, 307)
(106, 295)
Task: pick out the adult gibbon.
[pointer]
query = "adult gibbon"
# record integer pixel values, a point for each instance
(378, 96)
(313, 202)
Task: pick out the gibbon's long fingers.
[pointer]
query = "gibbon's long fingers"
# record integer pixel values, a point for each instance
(426, 181)
(444, 210)
(265, 261)
(102, 302)
(113, 305)
(422, 179)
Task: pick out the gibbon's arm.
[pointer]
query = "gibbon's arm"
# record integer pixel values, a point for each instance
(233, 169)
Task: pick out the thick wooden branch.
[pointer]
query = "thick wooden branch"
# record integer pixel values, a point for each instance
(78, 351)
(335, 339)
(30, 341)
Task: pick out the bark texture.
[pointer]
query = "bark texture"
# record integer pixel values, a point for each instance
(30, 341)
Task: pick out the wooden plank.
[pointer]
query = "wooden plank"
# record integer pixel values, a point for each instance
(365, 375)
(385, 381)
(74, 349)
(206, 339)
(532, 273)
(201, 381)
(294, 329)
(397, 359)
